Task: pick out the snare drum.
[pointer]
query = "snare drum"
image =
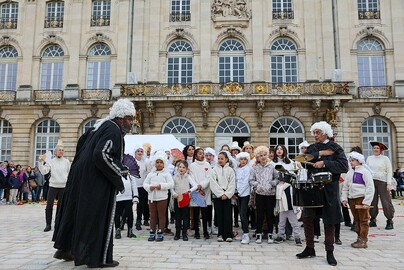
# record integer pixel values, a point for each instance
(286, 177)
(310, 197)
(321, 177)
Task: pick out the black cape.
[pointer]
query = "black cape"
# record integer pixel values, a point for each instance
(85, 222)
(336, 164)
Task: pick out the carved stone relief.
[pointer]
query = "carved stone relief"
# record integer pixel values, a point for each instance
(205, 112)
(228, 8)
(377, 108)
(151, 109)
(287, 106)
(45, 110)
(178, 108)
(315, 105)
(94, 110)
(260, 112)
(232, 108)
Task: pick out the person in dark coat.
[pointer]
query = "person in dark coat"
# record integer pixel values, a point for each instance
(328, 157)
(84, 228)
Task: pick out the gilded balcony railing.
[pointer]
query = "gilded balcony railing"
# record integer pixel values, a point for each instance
(369, 14)
(100, 20)
(48, 95)
(96, 94)
(7, 95)
(53, 22)
(8, 23)
(180, 17)
(235, 88)
(281, 15)
(375, 91)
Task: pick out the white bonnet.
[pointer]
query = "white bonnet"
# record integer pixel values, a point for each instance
(359, 157)
(209, 150)
(243, 155)
(303, 144)
(162, 156)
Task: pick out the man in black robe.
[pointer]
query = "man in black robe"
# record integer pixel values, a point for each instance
(328, 157)
(84, 228)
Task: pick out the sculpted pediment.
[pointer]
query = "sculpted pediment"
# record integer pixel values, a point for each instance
(227, 13)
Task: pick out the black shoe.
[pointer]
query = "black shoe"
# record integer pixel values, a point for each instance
(389, 225)
(185, 237)
(63, 255)
(307, 253)
(130, 233)
(146, 223)
(105, 265)
(206, 236)
(236, 225)
(353, 227)
(118, 234)
(372, 223)
(47, 228)
(177, 237)
(197, 236)
(331, 259)
(138, 227)
(348, 224)
(338, 241)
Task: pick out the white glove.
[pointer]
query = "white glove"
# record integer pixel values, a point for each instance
(135, 200)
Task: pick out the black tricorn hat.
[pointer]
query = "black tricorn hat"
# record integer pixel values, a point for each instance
(381, 145)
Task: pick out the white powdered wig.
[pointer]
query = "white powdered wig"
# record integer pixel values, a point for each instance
(324, 127)
(120, 109)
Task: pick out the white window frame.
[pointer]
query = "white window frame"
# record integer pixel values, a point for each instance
(6, 136)
(285, 49)
(232, 51)
(371, 61)
(283, 131)
(8, 68)
(181, 51)
(99, 60)
(375, 129)
(182, 128)
(46, 133)
(52, 68)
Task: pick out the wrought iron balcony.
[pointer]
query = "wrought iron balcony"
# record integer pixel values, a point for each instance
(48, 95)
(8, 23)
(375, 91)
(369, 14)
(281, 15)
(96, 94)
(235, 88)
(100, 20)
(180, 17)
(53, 22)
(7, 95)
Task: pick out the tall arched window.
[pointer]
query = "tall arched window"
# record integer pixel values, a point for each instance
(289, 132)
(8, 15)
(6, 132)
(52, 67)
(179, 63)
(8, 68)
(231, 61)
(231, 129)
(46, 137)
(284, 61)
(89, 124)
(375, 129)
(371, 64)
(99, 67)
(182, 129)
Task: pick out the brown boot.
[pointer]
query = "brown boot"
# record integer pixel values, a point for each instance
(360, 244)
(356, 242)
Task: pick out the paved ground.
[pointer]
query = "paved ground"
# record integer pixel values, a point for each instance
(23, 245)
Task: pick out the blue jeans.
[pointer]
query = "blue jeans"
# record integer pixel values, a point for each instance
(34, 195)
(1, 194)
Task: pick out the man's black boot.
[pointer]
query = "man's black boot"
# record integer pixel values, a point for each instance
(308, 252)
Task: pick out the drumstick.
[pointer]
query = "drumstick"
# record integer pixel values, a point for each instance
(308, 163)
(360, 206)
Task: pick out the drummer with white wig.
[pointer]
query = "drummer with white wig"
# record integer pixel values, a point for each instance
(329, 157)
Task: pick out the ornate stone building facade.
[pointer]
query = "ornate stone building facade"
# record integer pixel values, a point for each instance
(208, 71)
